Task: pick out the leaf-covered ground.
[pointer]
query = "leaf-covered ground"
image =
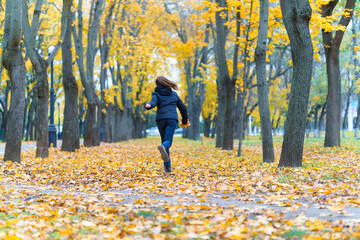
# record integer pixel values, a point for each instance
(119, 191)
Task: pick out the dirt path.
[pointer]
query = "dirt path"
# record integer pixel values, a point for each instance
(157, 202)
(25, 146)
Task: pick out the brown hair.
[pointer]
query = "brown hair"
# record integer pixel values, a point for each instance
(166, 82)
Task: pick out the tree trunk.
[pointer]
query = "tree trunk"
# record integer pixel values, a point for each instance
(126, 125)
(98, 126)
(307, 129)
(81, 119)
(42, 111)
(194, 131)
(245, 124)
(16, 113)
(296, 17)
(138, 127)
(138, 123)
(357, 122)
(321, 120)
(225, 85)
(264, 108)
(30, 116)
(220, 120)
(93, 121)
(333, 109)
(111, 120)
(238, 111)
(207, 124)
(332, 48)
(213, 131)
(126, 115)
(117, 124)
(241, 125)
(345, 120)
(90, 120)
(108, 120)
(70, 134)
(13, 61)
(277, 123)
(33, 118)
(5, 112)
(316, 120)
(26, 112)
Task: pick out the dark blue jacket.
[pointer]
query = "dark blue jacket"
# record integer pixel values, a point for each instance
(166, 101)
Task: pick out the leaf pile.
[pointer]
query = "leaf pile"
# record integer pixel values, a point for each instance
(120, 191)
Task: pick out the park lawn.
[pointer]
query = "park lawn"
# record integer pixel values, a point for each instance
(119, 191)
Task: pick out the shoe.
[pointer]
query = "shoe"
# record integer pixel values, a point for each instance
(167, 169)
(163, 153)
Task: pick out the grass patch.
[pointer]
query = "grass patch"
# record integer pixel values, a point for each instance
(146, 214)
(4, 216)
(331, 177)
(5, 229)
(294, 234)
(286, 179)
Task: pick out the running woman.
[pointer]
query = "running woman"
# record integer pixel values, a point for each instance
(166, 100)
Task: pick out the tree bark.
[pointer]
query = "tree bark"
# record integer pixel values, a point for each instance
(13, 61)
(345, 120)
(26, 108)
(213, 131)
(357, 121)
(5, 112)
(264, 108)
(296, 17)
(92, 122)
(316, 122)
(138, 123)
(81, 112)
(207, 125)
(70, 139)
(126, 114)
(31, 113)
(307, 129)
(276, 128)
(42, 111)
(225, 84)
(332, 49)
(117, 124)
(321, 120)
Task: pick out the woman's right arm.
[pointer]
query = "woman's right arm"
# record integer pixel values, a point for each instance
(153, 102)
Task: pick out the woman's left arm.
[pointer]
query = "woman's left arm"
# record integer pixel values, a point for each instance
(184, 114)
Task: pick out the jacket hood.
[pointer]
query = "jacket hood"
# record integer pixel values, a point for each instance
(162, 90)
